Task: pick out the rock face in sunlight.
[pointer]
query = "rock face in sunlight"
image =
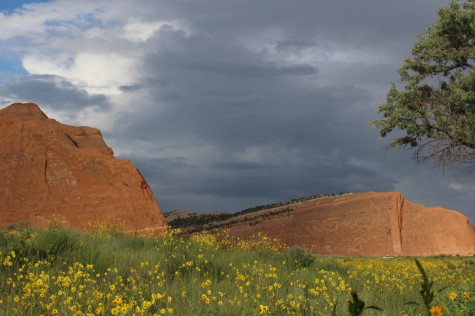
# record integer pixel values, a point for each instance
(51, 169)
(360, 224)
(372, 224)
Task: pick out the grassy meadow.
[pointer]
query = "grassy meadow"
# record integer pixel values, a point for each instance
(52, 271)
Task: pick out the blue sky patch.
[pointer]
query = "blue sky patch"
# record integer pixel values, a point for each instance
(8, 6)
(10, 67)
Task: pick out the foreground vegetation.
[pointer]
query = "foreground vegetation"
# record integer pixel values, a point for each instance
(57, 272)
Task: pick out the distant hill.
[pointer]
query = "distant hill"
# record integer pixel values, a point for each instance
(191, 222)
(172, 215)
(357, 224)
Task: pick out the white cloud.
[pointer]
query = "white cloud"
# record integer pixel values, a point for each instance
(97, 73)
(137, 31)
(17, 25)
(95, 44)
(37, 20)
(460, 187)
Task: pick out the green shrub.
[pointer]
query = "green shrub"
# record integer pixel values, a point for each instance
(53, 242)
(299, 257)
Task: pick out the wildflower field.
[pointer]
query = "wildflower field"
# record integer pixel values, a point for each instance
(57, 272)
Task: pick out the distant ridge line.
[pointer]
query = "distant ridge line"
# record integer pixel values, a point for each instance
(199, 220)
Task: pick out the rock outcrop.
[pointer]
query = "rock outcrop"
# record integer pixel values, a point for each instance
(48, 168)
(361, 224)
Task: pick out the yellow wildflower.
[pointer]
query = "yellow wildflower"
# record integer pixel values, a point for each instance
(437, 310)
(263, 309)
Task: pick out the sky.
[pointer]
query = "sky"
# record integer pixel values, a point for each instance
(225, 105)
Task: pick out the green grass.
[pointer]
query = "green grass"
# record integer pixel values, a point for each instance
(54, 271)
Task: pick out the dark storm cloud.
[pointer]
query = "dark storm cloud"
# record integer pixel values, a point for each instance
(51, 91)
(257, 102)
(359, 23)
(273, 129)
(175, 178)
(303, 136)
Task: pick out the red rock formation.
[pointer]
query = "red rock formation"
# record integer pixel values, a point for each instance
(363, 224)
(48, 168)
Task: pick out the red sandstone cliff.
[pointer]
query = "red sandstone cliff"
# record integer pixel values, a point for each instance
(48, 168)
(361, 224)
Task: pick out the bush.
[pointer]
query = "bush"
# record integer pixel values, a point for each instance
(299, 257)
(53, 243)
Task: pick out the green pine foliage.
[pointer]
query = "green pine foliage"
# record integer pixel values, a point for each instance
(434, 111)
